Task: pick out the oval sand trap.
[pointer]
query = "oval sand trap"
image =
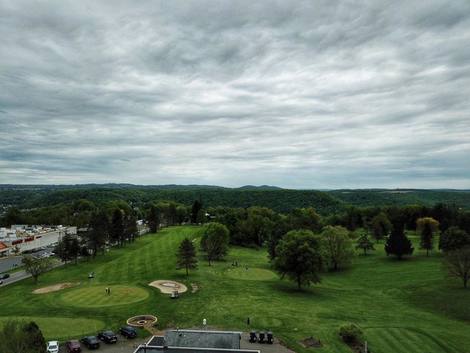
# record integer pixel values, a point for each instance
(54, 288)
(97, 296)
(167, 286)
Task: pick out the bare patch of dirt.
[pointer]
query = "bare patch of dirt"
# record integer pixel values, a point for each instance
(55, 288)
(311, 342)
(168, 287)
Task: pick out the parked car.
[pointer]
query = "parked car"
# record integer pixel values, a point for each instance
(73, 346)
(52, 347)
(4, 276)
(128, 331)
(91, 342)
(107, 336)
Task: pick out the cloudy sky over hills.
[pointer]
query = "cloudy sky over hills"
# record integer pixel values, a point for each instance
(314, 94)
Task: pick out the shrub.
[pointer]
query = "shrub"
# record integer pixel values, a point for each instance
(351, 333)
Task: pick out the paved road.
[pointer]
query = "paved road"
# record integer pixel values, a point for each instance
(20, 275)
(8, 263)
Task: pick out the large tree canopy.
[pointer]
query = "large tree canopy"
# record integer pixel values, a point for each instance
(337, 247)
(215, 241)
(299, 257)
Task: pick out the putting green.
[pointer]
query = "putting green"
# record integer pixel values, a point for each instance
(57, 328)
(96, 296)
(252, 274)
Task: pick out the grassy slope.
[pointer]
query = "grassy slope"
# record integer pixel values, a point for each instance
(403, 306)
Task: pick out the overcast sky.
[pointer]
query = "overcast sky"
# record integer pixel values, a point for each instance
(314, 94)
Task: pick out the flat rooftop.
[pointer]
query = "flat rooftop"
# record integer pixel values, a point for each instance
(156, 349)
(203, 339)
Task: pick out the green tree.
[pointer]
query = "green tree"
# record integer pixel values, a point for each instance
(457, 263)
(258, 225)
(398, 243)
(195, 209)
(36, 266)
(298, 257)
(68, 248)
(337, 247)
(153, 219)
(364, 243)
(130, 227)
(380, 226)
(34, 338)
(187, 255)
(117, 229)
(305, 218)
(453, 238)
(98, 232)
(214, 241)
(20, 337)
(427, 227)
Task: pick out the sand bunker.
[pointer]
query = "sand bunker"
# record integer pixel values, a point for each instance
(54, 288)
(168, 287)
(142, 320)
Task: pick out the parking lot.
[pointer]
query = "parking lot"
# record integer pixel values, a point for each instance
(122, 346)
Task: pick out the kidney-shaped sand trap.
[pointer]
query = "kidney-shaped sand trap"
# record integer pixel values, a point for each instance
(54, 288)
(168, 287)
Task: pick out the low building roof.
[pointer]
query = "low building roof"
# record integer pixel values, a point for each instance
(203, 339)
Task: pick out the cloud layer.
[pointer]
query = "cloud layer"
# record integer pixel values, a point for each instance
(314, 94)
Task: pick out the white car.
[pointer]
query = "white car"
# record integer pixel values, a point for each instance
(52, 347)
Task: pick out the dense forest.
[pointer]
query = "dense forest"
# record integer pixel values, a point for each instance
(280, 200)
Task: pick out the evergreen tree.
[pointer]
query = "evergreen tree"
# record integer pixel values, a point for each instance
(364, 243)
(197, 206)
(117, 229)
(398, 243)
(153, 219)
(98, 232)
(34, 338)
(19, 337)
(187, 255)
(68, 248)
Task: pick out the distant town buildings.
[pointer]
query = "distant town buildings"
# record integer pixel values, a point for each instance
(19, 237)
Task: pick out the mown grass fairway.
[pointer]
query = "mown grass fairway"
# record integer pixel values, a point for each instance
(403, 307)
(92, 296)
(61, 326)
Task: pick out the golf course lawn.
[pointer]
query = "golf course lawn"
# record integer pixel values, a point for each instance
(61, 326)
(402, 306)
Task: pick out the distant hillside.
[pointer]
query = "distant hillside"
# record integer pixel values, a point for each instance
(282, 200)
(400, 197)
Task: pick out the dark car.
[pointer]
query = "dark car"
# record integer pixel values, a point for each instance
(91, 342)
(73, 346)
(5, 276)
(128, 331)
(107, 336)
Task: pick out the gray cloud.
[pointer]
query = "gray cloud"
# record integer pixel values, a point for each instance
(293, 93)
